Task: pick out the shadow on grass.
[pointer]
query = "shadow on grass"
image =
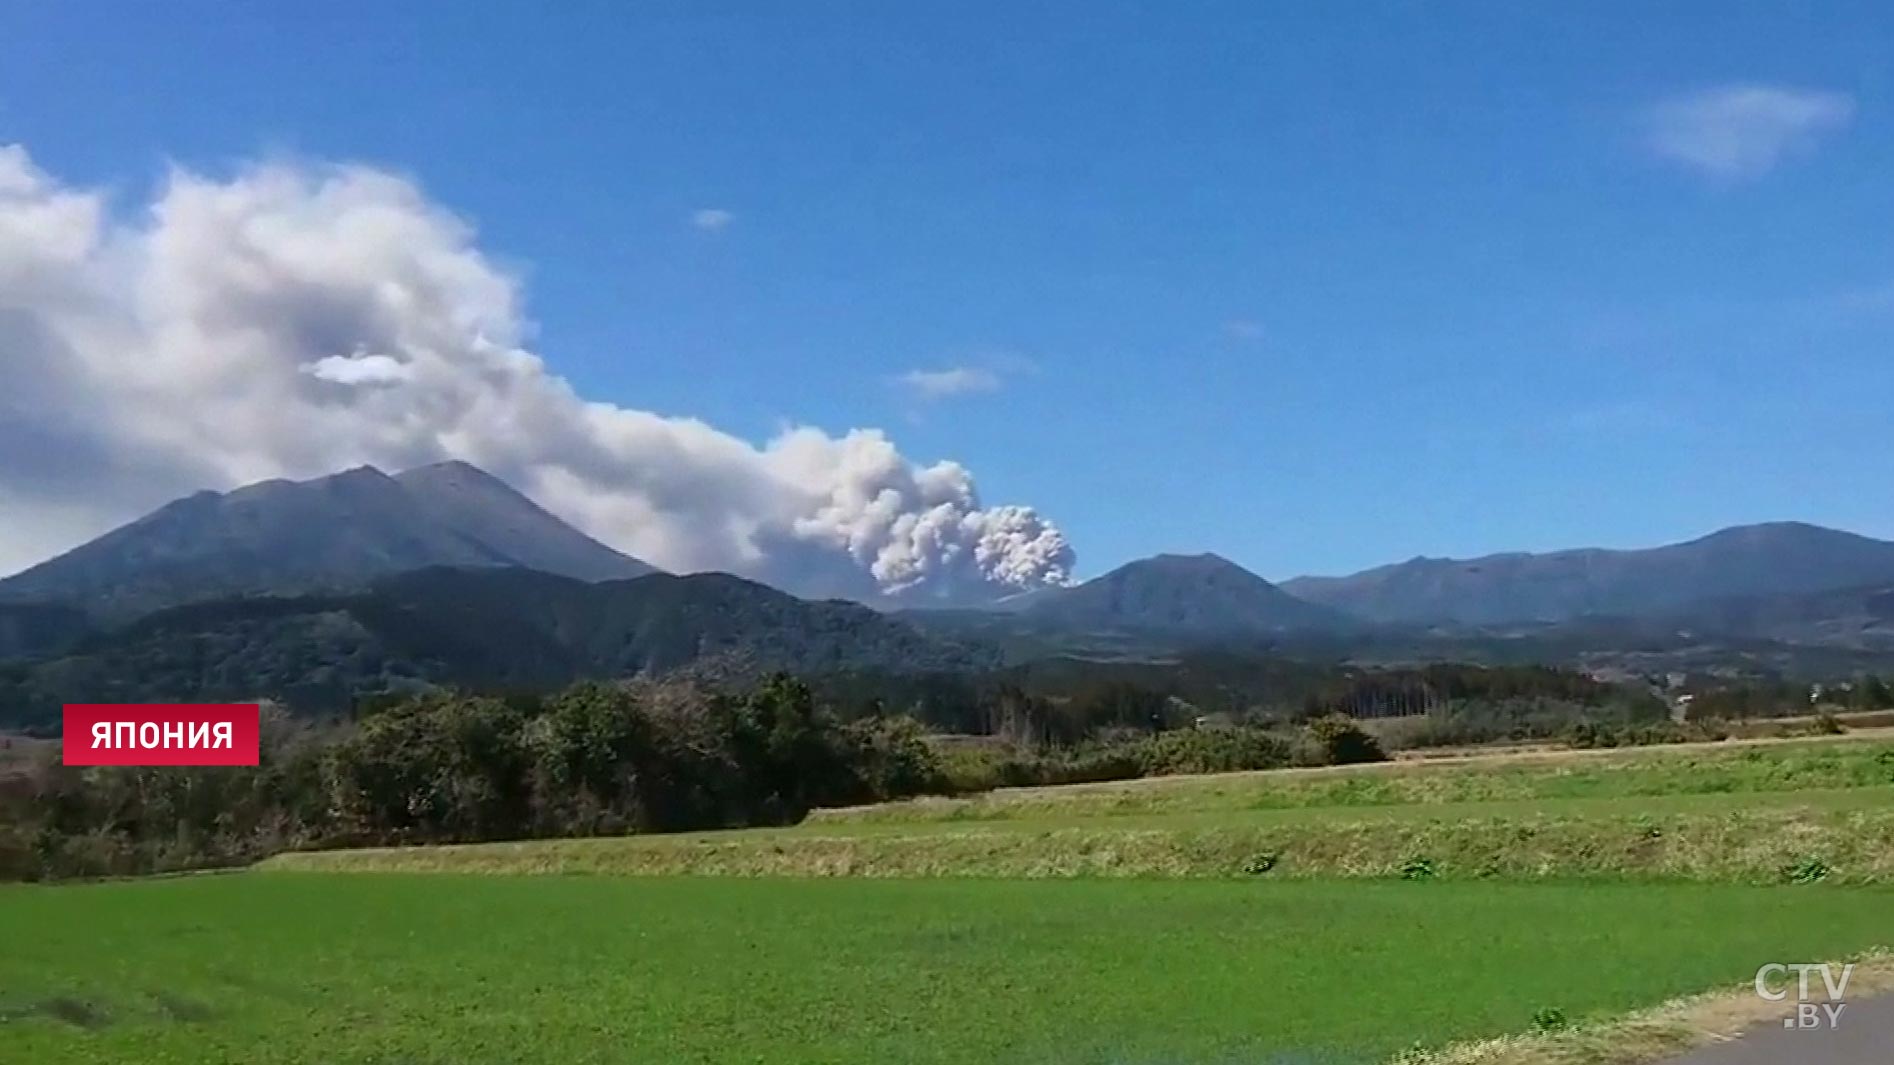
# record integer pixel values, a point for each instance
(76, 1012)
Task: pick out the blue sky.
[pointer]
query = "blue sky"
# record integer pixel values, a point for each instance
(1312, 286)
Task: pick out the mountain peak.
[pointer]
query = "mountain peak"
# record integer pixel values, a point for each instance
(456, 475)
(353, 479)
(450, 469)
(1205, 594)
(1205, 566)
(1201, 560)
(331, 532)
(465, 496)
(1777, 531)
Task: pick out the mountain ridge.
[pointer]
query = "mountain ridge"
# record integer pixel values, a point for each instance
(340, 534)
(336, 532)
(489, 628)
(1764, 559)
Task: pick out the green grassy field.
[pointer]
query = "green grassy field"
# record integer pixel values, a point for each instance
(473, 970)
(1259, 918)
(1746, 813)
(1772, 768)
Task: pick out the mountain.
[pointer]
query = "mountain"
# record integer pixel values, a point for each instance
(335, 533)
(469, 499)
(489, 629)
(1783, 558)
(1854, 618)
(28, 630)
(1198, 596)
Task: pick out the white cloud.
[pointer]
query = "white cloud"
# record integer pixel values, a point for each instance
(359, 369)
(1243, 329)
(713, 219)
(290, 321)
(950, 382)
(1737, 132)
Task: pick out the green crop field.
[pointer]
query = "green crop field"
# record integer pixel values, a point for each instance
(467, 970)
(1260, 918)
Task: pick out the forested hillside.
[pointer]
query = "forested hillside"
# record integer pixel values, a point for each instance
(489, 629)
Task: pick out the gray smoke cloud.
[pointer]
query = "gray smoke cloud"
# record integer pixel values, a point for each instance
(297, 319)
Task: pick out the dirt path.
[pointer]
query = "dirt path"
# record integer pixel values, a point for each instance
(1864, 1035)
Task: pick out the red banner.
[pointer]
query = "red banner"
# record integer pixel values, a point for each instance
(161, 734)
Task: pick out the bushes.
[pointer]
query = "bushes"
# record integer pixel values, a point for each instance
(1468, 724)
(891, 758)
(589, 761)
(1586, 735)
(61, 821)
(444, 767)
(1809, 870)
(1260, 864)
(1345, 742)
(1126, 757)
(1335, 740)
(1826, 724)
(1212, 750)
(438, 767)
(1549, 1019)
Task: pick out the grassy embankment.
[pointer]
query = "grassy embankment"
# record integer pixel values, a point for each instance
(1758, 813)
(473, 970)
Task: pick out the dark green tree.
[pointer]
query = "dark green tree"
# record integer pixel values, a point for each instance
(1344, 742)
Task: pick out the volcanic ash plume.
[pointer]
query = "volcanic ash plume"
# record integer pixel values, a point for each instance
(294, 320)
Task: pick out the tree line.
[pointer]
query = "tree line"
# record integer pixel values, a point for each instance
(447, 767)
(1779, 698)
(595, 759)
(1066, 699)
(659, 755)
